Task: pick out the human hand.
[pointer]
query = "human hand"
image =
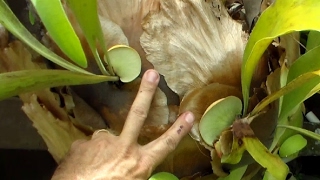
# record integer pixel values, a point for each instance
(107, 156)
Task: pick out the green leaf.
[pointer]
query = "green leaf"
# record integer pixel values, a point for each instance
(302, 131)
(163, 176)
(32, 18)
(14, 83)
(125, 62)
(306, 63)
(292, 145)
(91, 28)
(235, 174)
(218, 116)
(313, 40)
(280, 18)
(275, 166)
(60, 30)
(236, 153)
(296, 119)
(10, 21)
(308, 80)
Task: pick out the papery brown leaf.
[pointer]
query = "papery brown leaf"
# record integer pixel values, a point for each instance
(199, 99)
(57, 134)
(129, 15)
(194, 43)
(42, 107)
(16, 57)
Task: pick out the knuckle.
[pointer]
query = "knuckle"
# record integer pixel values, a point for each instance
(170, 142)
(139, 112)
(77, 144)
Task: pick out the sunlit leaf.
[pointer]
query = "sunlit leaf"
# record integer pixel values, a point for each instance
(163, 176)
(10, 21)
(292, 145)
(260, 154)
(91, 27)
(280, 18)
(125, 62)
(16, 82)
(218, 116)
(313, 40)
(302, 131)
(60, 30)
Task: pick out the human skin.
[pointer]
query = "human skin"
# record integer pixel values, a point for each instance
(106, 156)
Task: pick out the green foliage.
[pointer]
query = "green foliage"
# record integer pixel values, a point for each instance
(274, 165)
(91, 28)
(163, 176)
(235, 174)
(302, 131)
(292, 145)
(125, 62)
(14, 83)
(60, 30)
(280, 18)
(305, 64)
(218, 116)
(313, 40)
(10, 21)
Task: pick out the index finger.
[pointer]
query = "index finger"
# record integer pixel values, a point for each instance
(140, 107)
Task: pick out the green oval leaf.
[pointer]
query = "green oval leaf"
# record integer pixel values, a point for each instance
(280, 18)
(292, 145)
(10, 21)
(14, 83)
(125, 62)
(218, 116)
(60, 30)
(163, 176)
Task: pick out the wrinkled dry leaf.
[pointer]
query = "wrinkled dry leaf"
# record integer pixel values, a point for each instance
(42, 107)
(199, 99)
(194, 43)
(17, 57)
(57, 134)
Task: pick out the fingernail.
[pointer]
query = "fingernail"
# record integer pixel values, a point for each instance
(152, 76)
(189, 117)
